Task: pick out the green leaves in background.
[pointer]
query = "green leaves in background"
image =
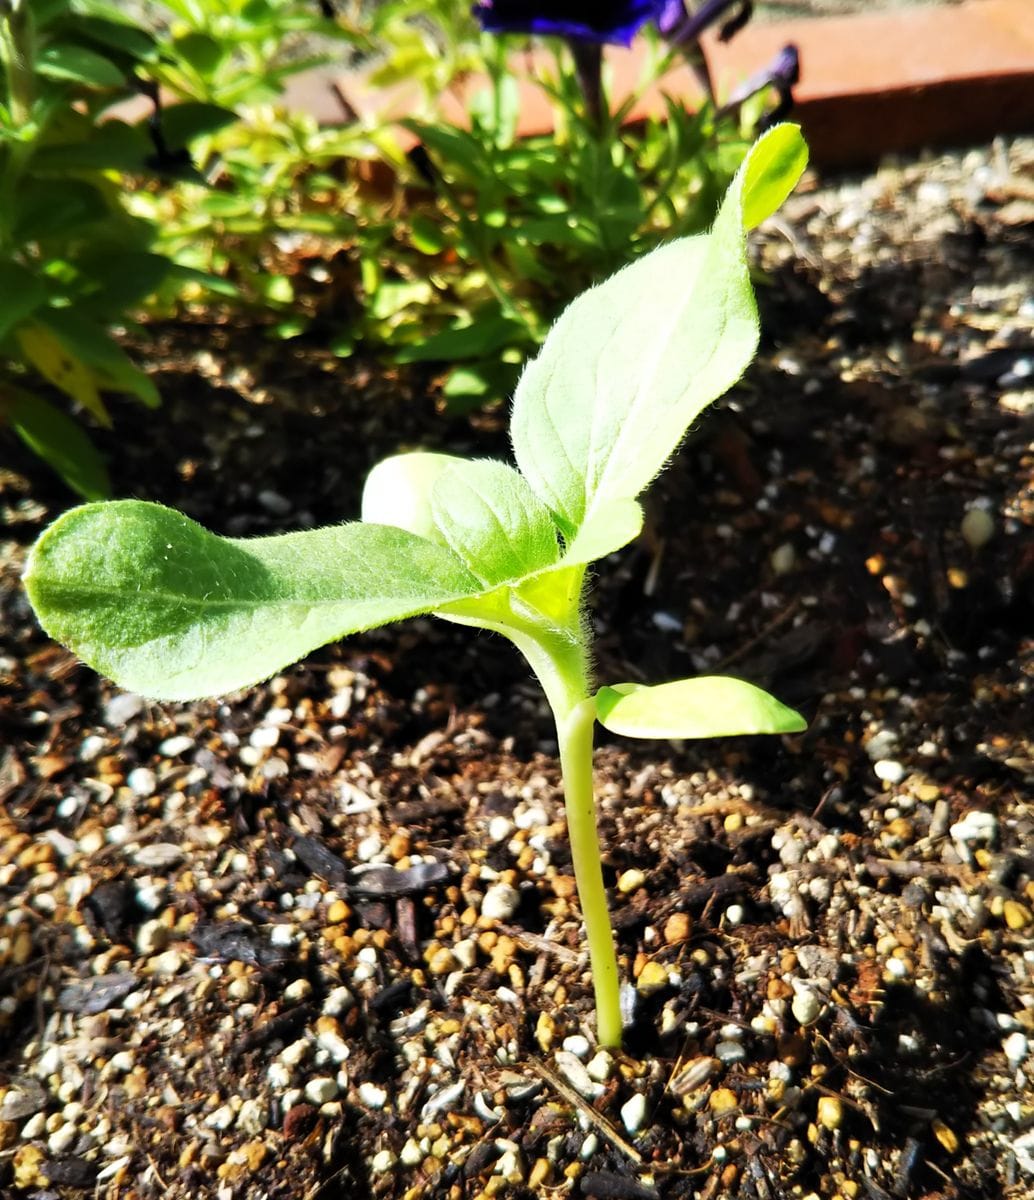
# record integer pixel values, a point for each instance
(153, 600)
(703, 707)
(631, 363)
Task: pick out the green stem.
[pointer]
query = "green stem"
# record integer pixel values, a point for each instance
(575, 732)
(557, 652)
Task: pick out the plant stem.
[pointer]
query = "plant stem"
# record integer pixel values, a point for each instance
(574, 732)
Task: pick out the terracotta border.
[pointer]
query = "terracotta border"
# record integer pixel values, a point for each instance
(871, 84)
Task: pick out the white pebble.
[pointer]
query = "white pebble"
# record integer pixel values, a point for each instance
(1016, 1047)
(499, 829)
(500, 902)
(531, 818)
(142, 781)
(888, 770)
(322, 1090)
(264, 737)
(806, 1005)
(411, 1155)
(252, 1117)
(173, 747)
(977, 528)
(782, 559)
(975, 826)
(573, 1070)
(222, 1118)
(577, 1045)
(338, 1001)
(382, 1162)
(633, 1113)
(600, 1067)
(729, 1053)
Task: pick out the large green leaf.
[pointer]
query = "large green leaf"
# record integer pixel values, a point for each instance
(704, 707)
(164, 607)
(631, 363)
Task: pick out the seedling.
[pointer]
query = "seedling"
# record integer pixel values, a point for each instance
(162, 606)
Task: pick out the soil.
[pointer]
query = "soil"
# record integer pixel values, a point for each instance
(321, 939)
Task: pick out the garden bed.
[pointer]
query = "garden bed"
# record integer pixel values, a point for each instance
(321, 938)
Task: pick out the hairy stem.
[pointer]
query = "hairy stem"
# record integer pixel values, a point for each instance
(575, 730)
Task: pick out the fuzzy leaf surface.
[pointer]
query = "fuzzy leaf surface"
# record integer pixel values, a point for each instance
(704, 707)
(164, 607)
(632, 362)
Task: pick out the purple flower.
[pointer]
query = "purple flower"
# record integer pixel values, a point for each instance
(581, 20)
(781, 74)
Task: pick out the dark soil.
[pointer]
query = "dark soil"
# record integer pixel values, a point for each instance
(243, 949)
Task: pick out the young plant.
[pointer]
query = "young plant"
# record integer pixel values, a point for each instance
(164, 607)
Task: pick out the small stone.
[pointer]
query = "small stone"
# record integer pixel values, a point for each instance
(499, 829)
(806, 1005)
(152, 937)
(633, 1113)
(411, 1155)
(442, 961)
(977, 528)
(252, 1117)
(600, 1067)
(541, 1173)
(975, 826)
(652, 978)
(382, 1162)
(677, 929)
(338, 913)
(630, 881)
(1016, 915)
(297, 991)
(169, 963)
(577, 1045)
(339, 1000)
(500, 902)
(322, 1090)
(222, 1118)
(888, 770)
(1016, 1048)
(573, 1070)
(173, 747)
(830, 1112)
(723, 1100)
(782, 559)
(545, 1031)
(945, 1135)
(142, 781)
(730, 1052)
(122, 708)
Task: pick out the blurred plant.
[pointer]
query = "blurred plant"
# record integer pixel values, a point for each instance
(495, 233)
(73, 262)
(274, 176)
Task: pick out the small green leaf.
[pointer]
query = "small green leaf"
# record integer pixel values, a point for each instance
(21, 293)
(614, 524)
(59, 441)
(78, 65)
(474, 339)
(398, 492)
(630, 364)
(181, 123)
(157, 603)
(493, 521)
(704, 707)
(773, 168)
(482, 509)
(91, 344)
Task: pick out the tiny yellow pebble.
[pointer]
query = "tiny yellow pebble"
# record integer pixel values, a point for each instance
(653, 977)
(1017, 916)
(830, 1112)
(338, 913)
(723, 1100)
(631, 880)
(944, 1135)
